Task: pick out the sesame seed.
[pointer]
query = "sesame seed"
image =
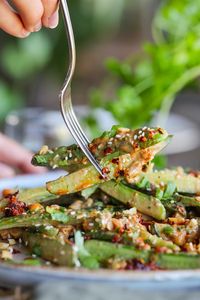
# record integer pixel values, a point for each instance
(48, 227)
(11, 242)
(118, 136)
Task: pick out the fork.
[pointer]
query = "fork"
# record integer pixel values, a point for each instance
(65, 93)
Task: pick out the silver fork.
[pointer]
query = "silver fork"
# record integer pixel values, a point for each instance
(65, 94)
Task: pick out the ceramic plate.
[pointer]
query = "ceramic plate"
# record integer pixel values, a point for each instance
(24, 275)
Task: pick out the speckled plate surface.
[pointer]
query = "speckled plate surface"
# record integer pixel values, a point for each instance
(25, 275)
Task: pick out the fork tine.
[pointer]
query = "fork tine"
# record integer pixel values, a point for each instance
(67, 106)
(70, 124)
(76, 122)
(81, 140)
(81, 143)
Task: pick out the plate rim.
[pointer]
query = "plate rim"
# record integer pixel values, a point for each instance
(27, 275)
(35, 274)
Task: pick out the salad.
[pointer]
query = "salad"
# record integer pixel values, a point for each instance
(133, 218)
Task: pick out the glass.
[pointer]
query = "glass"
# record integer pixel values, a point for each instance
(34, 127)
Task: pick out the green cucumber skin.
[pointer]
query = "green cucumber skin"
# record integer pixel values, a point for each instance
(181, 261)
(49, 248)
(153, 240)
(187, 201)
(104, 250)
(67, 158)
(24, 221)
(130, 165)
(132, 154)
(38, 219)
(146, 204)
(72, 158)
(185, 183)
(62, 254)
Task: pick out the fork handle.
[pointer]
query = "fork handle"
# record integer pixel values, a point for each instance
(70, 38)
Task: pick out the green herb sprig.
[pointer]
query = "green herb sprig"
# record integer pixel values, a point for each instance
(148, 83)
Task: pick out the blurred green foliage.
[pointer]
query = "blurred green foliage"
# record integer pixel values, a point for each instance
(26, 57)
(148, 82)
(9, 100)
(92, 17)
(135, 89)
(20, 60)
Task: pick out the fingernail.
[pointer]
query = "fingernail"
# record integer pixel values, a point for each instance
(25, 33)
(38, 27)
(53, 20)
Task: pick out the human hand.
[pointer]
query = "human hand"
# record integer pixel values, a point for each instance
(13, 156)
(26, 16)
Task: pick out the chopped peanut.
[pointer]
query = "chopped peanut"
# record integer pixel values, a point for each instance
(36, 207)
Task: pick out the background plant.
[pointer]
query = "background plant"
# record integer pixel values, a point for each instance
(136, 89)
(147, 83)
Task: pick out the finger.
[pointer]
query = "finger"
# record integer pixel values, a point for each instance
(6, 171)
(31, 13)
(11, 153)
(50, 18)
(10, 22)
